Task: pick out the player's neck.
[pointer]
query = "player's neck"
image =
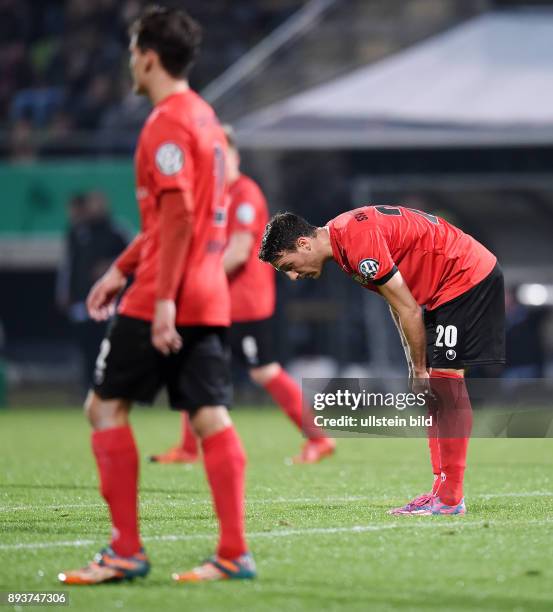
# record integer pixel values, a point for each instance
(164, 87)
(323, 243)
(232, 176)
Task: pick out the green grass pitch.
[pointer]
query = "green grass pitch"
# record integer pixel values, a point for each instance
(320, 534)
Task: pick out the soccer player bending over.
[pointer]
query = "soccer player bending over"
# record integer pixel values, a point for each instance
(171, 328)
(252, 298)
(414, 259)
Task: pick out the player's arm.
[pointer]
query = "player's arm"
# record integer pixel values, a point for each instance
(243, 224)
(176, 212)
(370, 256)
(101, 298)
(128, 261)
(238, 251)
(409, 317)
(169, 157)
(404, 342)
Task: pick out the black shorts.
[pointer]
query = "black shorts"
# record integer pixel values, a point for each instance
(251, 342)
(129, 367)
(470, 329)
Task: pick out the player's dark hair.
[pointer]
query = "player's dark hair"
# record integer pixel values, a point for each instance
(281, 235)
(172, 34)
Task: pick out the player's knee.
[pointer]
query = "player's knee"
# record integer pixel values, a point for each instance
(102, 414)
(90, 407)
(96, 412)
(210, 420)
(263, 374)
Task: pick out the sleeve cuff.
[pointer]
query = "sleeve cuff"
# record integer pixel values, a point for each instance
(121, 267)
(384, 279)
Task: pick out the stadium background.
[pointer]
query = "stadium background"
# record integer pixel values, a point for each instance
(69, 124)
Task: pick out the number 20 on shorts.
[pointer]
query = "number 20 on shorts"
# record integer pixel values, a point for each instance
(446, 336)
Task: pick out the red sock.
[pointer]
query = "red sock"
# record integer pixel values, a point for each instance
(434, 447)
(117, 460)
(189, 441)
(225, 463)
(454, 428)
(287, 394)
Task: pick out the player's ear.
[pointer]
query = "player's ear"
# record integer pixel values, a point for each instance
(303, 243)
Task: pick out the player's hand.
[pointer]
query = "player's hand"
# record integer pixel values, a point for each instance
(165, 337)
(100, 302)
(420, 382)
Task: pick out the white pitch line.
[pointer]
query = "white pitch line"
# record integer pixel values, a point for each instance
(37, 545)
(196, 502)
(277, 500)
(49, 507)
(283, 533)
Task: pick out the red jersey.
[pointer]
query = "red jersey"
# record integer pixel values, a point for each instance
(182, 147)
(437, 260)
(252, 286)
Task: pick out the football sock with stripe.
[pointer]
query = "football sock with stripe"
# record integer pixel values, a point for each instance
(117, 461)
(454, 427)
(225, 465)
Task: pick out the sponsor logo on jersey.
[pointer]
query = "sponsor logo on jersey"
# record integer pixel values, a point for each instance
(245, 213)
(369, 268)
(450, 354)
(169, 158)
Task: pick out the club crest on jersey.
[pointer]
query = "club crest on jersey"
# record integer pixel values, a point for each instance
(169, 158)
(369, 268)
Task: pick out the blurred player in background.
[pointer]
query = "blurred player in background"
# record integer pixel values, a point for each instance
(414, 259)
(252, 296)
(92, 242)
(171, 329)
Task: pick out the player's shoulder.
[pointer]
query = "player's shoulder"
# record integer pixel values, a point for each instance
(186, 110)
(351, 222)
(165, 115)
(246, 184)
(163, 124)
(245, 188)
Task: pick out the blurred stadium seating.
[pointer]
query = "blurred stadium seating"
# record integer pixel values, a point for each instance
(68, 124)
(65, 67)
